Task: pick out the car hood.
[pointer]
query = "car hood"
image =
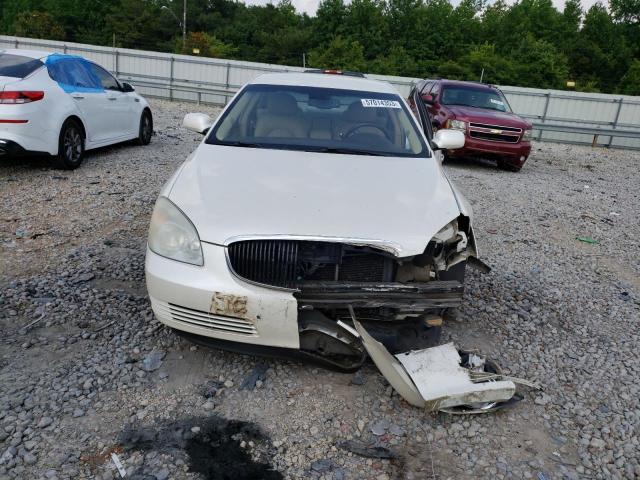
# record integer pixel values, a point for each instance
(394, 203)
(491, 117)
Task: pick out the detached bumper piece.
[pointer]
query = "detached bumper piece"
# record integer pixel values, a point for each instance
(406, 297)
(437, 379)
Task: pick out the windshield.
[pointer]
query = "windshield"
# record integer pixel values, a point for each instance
(475, 97)
(17, 66)
(319, 119)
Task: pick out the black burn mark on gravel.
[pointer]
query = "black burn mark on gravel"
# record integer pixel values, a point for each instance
(214, 451)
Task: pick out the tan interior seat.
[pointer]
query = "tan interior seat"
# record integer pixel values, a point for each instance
(281, 117)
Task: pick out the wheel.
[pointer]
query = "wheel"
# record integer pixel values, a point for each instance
(502, 165)
(146, 128)
(70, 146)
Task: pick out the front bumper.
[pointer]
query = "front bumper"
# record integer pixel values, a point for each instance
(515, 153)
(212, 302)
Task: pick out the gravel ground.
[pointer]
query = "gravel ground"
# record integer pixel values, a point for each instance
(86, 371)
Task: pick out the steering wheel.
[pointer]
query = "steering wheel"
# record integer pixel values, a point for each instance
(353, 130)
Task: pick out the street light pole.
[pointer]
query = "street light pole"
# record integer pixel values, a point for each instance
(184, 25)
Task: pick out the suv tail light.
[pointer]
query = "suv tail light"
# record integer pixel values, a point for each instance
(19, 97)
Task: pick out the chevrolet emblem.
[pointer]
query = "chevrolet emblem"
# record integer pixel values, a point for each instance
(497, 132)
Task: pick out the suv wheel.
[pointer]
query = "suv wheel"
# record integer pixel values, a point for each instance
(70, 146)
(502, 165)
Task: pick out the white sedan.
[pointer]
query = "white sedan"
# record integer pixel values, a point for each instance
(63, 105)
(314, 199)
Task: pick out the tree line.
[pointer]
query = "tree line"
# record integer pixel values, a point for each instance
(529, 43)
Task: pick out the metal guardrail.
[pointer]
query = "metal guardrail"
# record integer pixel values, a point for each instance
(558, 116)
(595, 131)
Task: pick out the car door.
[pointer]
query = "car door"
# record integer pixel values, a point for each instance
(84, 88)
(120, 105)
(423, 115)
(434, 106)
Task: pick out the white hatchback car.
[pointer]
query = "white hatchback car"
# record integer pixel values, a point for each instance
(313, 200)
(62, 105)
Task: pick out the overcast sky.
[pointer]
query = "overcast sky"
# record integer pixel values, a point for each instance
(310, 6)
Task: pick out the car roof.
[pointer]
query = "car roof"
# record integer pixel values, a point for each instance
(26, 53)
(462, 83)
(325, 80)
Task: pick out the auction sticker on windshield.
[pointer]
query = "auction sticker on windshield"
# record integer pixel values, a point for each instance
(373, 102)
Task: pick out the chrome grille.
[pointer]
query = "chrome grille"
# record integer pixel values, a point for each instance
(494, 133)
(208, 320)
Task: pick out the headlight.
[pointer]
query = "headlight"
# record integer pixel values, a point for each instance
(526, 136)
(457, 125)
(172, 234)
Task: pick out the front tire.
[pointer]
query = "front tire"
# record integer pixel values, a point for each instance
(509, 167)
(70, 146)
(146, 128)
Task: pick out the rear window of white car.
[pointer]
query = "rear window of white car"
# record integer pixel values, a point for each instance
(327, 120)
(17, 66)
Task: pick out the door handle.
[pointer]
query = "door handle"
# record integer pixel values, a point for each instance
(112, 98)
(77, 97)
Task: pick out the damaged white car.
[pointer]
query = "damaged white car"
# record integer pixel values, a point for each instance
(316, 204)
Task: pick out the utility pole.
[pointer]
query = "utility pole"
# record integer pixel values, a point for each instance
(304, 60)
(184, 25)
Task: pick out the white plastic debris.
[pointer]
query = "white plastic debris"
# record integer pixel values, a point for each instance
(433, 378)
(118, 465)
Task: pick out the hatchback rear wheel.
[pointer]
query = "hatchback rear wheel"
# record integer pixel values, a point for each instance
(70, 146)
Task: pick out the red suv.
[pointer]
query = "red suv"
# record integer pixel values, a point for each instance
(482, 112)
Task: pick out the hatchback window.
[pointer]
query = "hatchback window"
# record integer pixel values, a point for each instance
(17, 66)
(475, 97)
(320, 119)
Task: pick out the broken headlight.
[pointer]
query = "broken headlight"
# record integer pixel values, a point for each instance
(172, 234)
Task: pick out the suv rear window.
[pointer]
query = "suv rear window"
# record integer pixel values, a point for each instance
(17, 66)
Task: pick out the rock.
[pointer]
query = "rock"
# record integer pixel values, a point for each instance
(45, 422)
(78, 412)
(153, 360)
(380, 427)
(359, 378)
(228, 384)
(322, 465)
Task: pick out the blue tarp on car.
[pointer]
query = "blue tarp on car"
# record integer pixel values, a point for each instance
(73, 73)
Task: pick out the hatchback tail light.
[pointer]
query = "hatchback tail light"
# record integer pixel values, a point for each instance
(19, 97)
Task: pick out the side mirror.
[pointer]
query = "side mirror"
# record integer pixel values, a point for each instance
(429, 98)
(197, 122)
(127, 87)
(446, 139)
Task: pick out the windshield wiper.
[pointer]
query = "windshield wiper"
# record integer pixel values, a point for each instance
(347, 151)
(243, 144)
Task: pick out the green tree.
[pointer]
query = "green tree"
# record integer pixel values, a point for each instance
(38, 25)
(630, 83)
(539, 64)
(341, 53)
(206, 45)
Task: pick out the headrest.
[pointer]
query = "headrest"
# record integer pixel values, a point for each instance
(282, 104)
(356, 113)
